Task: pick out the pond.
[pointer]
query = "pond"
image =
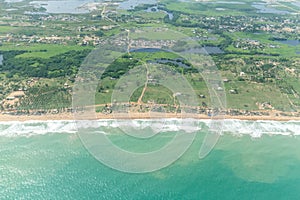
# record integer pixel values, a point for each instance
(262, 8)
(177, 62)
(290, 42)
(130, 4)
(65, 6)
(156, 9)
(213, 50)
(1, 59)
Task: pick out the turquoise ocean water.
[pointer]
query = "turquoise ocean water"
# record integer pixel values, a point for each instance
(46, 160)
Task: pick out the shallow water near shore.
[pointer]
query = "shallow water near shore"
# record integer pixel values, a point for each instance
(37, 164)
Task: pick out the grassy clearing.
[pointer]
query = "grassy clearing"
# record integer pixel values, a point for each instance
(40, 50)
(282, 49)
(152, 15)
(244, 35)
(155, 55)
(157, 35)
(154, 93)
(294, 82)
(210, 8)
(249, 94)
(6, 29)
(103, 95)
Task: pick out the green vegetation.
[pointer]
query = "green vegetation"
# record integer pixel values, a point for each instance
(46, 98)
(6, 29)
(66, 64)
(40, 50)
(42, 53)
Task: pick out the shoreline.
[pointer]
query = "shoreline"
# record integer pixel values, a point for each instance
(136, 116)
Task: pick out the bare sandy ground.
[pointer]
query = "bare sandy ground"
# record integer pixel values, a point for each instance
(99, 116)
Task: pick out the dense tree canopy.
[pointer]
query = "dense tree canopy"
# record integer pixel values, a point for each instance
(65, 64)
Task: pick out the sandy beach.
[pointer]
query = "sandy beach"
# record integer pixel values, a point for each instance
(99, 116)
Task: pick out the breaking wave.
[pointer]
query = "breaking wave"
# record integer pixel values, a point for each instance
(234, 127)
(259, 128)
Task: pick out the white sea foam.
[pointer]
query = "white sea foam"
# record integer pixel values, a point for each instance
(30, 128)
(258, 128)
(235, 127)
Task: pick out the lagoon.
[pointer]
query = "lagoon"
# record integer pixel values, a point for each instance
(13, 1)
(60, 7)
(296, 4)
(290, 42)
(262, 8)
